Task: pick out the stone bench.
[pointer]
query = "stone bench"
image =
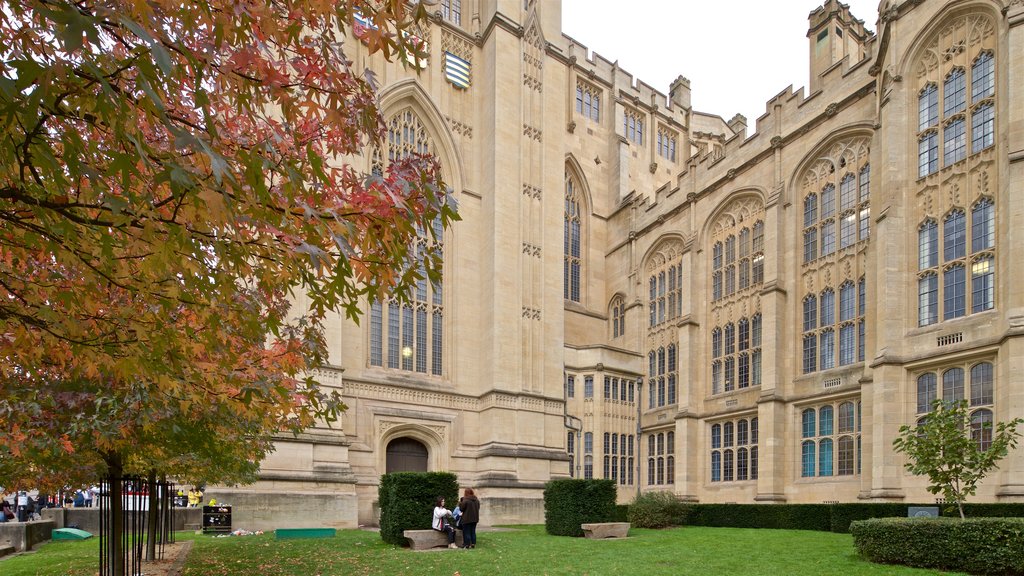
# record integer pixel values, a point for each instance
(601, 530)
(427, 539)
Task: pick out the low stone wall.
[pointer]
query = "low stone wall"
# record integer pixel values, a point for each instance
(88, 519)
(25, 535)
(271, 510)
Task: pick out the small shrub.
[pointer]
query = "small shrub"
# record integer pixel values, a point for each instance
(656, 510)
(407, 501)
(974, 545)
(571, 502)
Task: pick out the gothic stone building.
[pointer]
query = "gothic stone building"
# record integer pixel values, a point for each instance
(644, 292)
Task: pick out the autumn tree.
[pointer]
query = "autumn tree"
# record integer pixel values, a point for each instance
(953, 451)
(172, 175)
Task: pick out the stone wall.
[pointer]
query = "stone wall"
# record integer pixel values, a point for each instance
(25, 535)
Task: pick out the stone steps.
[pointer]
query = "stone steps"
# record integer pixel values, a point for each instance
(6, 549)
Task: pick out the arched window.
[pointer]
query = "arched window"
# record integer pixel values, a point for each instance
(926, 392)
(618, 316)
(572, 232)
(807, 460)
(807, 423)
(981, 384)
(825, 457)
(953, 385)
(742, 464)
(409, 336)
(981, 428)
(845, 456)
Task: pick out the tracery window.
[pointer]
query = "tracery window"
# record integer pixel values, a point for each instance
(738, 259)
(960, 116)
(830, 225)
(588, 101)
(667, 144)
(830, 440)
(956, 259)
(573, 261)
(821, 325)
(662, 376)
(409, 336)
(734, 450)
(665, 289)
(618, 316)
(633, 126)
(736, 355)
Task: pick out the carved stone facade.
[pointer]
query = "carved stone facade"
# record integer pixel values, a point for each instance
(754, 317)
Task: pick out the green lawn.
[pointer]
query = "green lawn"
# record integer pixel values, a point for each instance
(527, 550)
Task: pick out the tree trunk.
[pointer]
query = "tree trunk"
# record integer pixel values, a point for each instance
(115, 544)
(151, 518)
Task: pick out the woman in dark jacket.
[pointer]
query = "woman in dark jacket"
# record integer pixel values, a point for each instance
(470, 507)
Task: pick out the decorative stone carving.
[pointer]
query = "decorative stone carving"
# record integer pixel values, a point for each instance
(961, 34)
(532, 191)
(738, 211)
(666, 251)
(456, 45)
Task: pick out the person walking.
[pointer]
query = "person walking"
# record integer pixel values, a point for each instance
(470, 506)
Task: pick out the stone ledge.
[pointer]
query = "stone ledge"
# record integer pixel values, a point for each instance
(427, 539)
(602, 530)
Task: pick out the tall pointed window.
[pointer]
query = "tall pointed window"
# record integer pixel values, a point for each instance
(968, 248)
(967, 110)
(409, 336)
(573, 224)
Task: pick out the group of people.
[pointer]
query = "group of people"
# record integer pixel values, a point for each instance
(23, 507)
(465, 516)
(193, 500)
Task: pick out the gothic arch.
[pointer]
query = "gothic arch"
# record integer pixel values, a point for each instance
(919, 48)
(738, 203)
(407, 93)
(433, 437)
(572, 166)
(665, 248)
(837, 146)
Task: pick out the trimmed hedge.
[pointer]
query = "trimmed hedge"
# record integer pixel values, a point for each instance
(844, 514)
(656, 510)
(621, 513)
(407, 501)
(571, 502)
(974, 545)
(824, 517)
(778, 516)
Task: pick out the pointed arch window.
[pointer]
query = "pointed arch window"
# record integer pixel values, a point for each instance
(960, 117)
(573, 261)
(409, 336)
(957, 261)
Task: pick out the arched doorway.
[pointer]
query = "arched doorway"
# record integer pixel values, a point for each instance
(406, 455)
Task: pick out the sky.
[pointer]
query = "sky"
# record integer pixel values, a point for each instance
(737, 54)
